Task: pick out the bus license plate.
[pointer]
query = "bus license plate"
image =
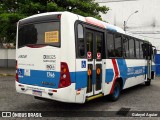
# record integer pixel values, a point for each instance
(37, 93)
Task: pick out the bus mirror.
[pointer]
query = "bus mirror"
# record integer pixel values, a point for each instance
(145, 49)
(155, 51)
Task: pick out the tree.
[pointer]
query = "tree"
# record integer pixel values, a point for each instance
(13, 10)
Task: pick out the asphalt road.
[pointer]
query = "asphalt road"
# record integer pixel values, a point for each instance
(138, 98)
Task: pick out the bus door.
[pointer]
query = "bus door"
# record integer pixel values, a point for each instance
(149, 61)
(149, 65)
(147, 50)
(94, 40)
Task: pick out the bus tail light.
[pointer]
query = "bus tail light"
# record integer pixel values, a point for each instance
(64, 76)
(17, 71)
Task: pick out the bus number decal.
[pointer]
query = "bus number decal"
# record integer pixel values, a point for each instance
(50, 74)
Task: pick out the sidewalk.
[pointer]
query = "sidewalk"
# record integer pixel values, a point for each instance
(7, 71)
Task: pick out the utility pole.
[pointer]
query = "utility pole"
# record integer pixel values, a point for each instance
(125, 22)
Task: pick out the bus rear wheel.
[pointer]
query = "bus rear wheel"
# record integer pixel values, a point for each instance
(116, 92)
(148, 83)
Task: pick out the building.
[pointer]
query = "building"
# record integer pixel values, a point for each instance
(144, 23)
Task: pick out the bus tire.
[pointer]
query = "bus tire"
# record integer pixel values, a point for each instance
(148, 83)
(116, 92)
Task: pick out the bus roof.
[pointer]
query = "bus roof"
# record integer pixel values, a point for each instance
(41, 14)
(90, 20)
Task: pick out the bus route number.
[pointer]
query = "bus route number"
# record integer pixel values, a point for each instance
(50, 74)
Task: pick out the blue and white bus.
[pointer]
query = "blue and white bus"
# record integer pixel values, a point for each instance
(70, 58)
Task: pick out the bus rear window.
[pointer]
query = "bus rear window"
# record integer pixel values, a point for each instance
(47, 33)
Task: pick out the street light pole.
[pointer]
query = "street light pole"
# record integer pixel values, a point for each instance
(124, 25)
(125, 22)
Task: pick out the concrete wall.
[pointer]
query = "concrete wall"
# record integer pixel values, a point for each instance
(145, 23)
(7, 57)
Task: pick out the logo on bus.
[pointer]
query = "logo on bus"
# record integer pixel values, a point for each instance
(49, 56)
(20, 73)
(22, 56)
(83, 64)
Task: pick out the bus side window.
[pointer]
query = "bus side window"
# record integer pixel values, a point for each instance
(110, 45)
(137, 43)
(125, 47)
(114, 44)
(141, 51)
(118, 45)
(131, 48)
(81, 42)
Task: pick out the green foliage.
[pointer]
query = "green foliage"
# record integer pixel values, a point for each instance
(8, 26)
(13, 10)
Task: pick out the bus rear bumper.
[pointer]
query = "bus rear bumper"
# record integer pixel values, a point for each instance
(67, 94)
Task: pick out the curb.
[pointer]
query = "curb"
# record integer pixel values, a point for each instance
(6, 75)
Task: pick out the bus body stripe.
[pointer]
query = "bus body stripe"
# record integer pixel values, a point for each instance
(119, 69)
(115, 67)
(81, 79)
(116, 74)
(122, 69)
